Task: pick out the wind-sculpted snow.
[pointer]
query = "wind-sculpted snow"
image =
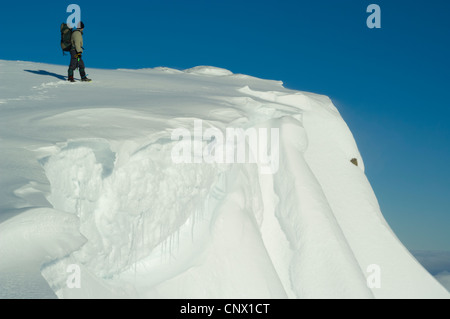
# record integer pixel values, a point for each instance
(90, 188)
(128, 209)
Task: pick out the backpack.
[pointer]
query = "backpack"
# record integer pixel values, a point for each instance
(66, 38)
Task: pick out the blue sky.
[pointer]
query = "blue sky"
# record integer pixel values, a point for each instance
(390, 84)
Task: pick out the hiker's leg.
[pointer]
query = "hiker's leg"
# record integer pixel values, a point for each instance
(73, 63)
(81, 68)
(70, 73)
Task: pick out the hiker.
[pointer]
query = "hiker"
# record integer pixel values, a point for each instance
(75, 54)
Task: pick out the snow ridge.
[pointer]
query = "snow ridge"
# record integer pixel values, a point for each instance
(139, 225)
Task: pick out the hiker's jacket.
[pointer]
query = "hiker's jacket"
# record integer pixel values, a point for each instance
(77, 41)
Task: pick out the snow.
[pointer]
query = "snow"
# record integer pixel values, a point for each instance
(444, 279)
(208, 70)
(88, 183)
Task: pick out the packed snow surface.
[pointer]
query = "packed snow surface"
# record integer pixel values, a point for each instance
(93, 203)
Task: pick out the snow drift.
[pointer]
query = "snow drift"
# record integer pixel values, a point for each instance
(88, 179)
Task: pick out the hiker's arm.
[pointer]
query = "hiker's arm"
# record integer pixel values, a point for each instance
(78, 42)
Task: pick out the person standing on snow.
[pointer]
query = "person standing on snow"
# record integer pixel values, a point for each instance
(75, 54)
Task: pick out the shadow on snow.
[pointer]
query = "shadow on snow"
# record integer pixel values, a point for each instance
(46, 73)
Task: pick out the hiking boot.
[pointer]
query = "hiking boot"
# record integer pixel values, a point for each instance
(71, 79)
(86, 79)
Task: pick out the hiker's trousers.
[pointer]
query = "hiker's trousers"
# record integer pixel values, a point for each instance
(74, 64)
